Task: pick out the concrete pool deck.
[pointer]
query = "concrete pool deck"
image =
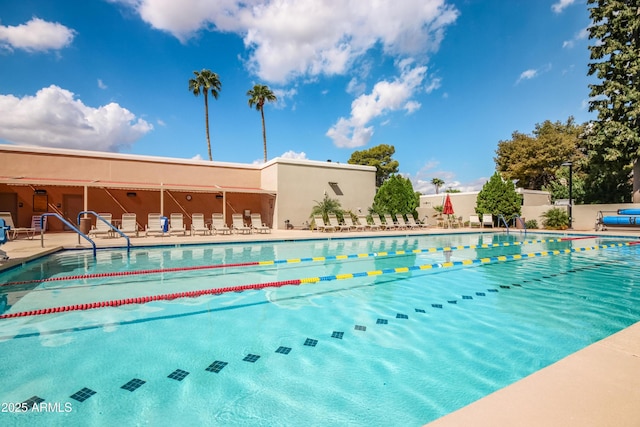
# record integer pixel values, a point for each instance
(596, 386)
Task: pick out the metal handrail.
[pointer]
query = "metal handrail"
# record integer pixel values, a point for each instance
(98, 217)
(517, 218)
(68, 224)
(504, 221)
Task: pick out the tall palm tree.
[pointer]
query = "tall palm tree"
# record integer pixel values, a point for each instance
(206, 81)
(437, 182)
(258, 96)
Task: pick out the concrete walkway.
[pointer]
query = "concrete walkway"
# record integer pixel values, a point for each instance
(597, 386)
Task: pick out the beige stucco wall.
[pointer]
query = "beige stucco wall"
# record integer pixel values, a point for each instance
(303, 183)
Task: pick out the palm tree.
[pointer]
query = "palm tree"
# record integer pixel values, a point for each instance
(206, 81)
(258, 96)
(327, 206)
(438, 183)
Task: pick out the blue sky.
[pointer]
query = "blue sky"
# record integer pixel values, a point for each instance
(443, 81)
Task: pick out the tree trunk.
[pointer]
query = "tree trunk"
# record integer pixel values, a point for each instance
(264, 135)
(206, 119)
(635, 196)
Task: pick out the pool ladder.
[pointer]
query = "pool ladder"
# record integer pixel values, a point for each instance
(515, 219)
(68, 224)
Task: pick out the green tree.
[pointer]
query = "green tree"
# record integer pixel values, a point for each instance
(437, 182)
(396, 196)
(325, 207)
(555, 219)
(206, 81)
(533, 160)
(380, 157)
(614, 140)
(499, 197)
(559, 188)
(258, 96)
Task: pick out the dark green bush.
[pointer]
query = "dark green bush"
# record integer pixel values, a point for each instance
(556, 219)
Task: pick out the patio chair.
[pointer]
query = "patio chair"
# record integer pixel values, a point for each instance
(198, 225)
(405, 223)
(333, 221)
(412, 222)
(388, 219)
(101, 228)
(474, 221)
(238, 225)
(176, 224)
(378, 222)
(154, 225)
(487, 220)
(348, 222)
(320, 225)
(218, 225)
(362, 220)
(258, 225)
(8, 222)
(129, 224)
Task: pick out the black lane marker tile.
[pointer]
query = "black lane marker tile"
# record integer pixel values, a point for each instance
(419, 310)
(401, 316)
(436, 305)
(216, 366)
(283, 350)
(452, 301)
(35, 400)
(516, 284)
(505, 287)
(133, 384)
(337, 334)
(382, 321)
(310, 342)
(481, 294)
(251, 358)
(178, 374)
(490, 290)
(467, 297)
(360, 328)
(83, 394)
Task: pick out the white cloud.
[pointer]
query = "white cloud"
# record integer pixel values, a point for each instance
(294, 155)
(54, 118)
(101, 84)
(580, 35)
(527, 75)
(561, 5)
(385, 97)
(292, 38)
(282, 95)
(36, 35)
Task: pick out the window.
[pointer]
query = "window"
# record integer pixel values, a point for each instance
(336, 189)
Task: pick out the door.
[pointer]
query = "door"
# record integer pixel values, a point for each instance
(9, 203)
(73, 204)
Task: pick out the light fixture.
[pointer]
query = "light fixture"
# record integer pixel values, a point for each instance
(188, 197)
(218, 196)
(570, 164)
(131, 194)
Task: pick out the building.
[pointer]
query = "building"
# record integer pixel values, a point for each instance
(34, 180)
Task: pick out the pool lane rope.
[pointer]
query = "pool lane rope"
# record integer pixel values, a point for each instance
(308, 280)
(281, 261)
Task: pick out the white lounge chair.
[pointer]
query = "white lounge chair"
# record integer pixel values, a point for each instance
(154, 225)
(391, 223)
(348, 222)
(258, 225)
(333, 221)
(378, 222)
(218, 225)
(101, 228)
(129, 224)
(198, 225)
(320, 225)
(238, 225)
(412, 222)
(8, 221)
(474, 221)
(487, 220)
(176, 224)
(362, 220)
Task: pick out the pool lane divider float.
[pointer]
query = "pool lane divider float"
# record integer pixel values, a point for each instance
(283, 261)
(308, 280)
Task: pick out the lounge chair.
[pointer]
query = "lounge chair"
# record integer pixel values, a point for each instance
(412, 222)
(362, 220)
(154, 225)
(333, 221)
(320, 225)
(487, 220)
(391, 223)
(176, 225)
(101, 228)
(8, 222)
(129, 224)
(405, 223)
(238, 225)
(218, 225)
(348, 222)
(474, 221)
(378, 222)
(198, 225)
(258, 225)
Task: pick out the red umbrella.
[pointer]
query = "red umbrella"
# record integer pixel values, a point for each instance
(448, 207)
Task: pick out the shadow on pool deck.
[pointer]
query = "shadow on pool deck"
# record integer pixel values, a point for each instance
(597, 386)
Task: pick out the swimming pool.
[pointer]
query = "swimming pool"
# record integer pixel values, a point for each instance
(393, 346)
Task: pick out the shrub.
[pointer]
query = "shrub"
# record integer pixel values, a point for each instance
(531, 224)
(556, 219)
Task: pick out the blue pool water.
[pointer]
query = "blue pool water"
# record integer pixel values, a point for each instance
(388, 349)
